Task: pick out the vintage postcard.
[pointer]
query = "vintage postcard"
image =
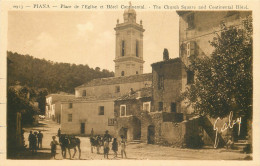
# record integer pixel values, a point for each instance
(129, 82)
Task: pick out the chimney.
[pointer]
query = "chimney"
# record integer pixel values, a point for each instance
(165, 54)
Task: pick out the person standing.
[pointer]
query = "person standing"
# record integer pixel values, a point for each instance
(107, 136)
(53, 145)
(34, 142)
(123, 147)
(39, 136)
(59, 134)
(106, 149)
(30, 139)
(92, 133)
(115, 147)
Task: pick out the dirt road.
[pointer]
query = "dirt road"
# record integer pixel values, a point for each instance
(140, 151)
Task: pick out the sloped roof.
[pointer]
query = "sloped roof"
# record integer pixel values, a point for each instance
(167, 61)
(88, 98)
(141, 93)
(118, 80)
(60, 97)
(181, 12)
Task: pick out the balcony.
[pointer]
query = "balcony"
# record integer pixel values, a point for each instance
(172, 117)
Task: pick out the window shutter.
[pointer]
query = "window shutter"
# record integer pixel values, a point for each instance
(191, 48)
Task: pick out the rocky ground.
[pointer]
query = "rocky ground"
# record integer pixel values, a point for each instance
(140, 151)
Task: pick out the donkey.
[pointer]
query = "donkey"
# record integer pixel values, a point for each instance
(70, 142)
(95, 142)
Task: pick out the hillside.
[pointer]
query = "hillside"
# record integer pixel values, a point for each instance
(56, 77)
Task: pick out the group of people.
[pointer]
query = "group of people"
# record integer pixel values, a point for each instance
(98, 141)
(35, 141)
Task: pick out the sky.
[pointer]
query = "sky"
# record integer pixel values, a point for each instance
(88, 37)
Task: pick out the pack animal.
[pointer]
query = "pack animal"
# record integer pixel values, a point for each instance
(96, 142)
(70, 142)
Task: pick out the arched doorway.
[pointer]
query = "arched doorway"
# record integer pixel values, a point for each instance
(123, 132)
(150, 134)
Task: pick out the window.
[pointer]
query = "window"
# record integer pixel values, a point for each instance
(160, 82)
(136, 72)
(84, 93)
(136, 48)
(122, 73)
(117, 89)
(190, 77)
(146, 106)
(101, 110)
(173, 107)
(122, 110)
(123, 48)
(111, 121)
(190, 20)
(160, 106)
(69, 117)
(70, 105)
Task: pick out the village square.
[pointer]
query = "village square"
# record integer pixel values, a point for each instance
(156, 116)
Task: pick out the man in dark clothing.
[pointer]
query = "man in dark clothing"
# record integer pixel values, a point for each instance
(59, 134)
(107, 137)
(39, 136)
(34, 142)
(92, 133)
(30, 139)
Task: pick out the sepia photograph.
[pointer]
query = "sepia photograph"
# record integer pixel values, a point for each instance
(129, 83)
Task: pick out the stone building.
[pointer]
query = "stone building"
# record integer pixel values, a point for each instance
(196, 29)
(93, 106)
(53, 105)
(155, 114)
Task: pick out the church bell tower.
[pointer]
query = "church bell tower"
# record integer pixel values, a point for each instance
(129, 45)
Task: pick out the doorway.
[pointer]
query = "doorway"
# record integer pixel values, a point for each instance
(150, 134)
(137, 129)
(123, 132)
(82, 128)
(173, 107)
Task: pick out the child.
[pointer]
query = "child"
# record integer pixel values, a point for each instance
(123, 147)
(115, 146)
(53, 146)
(106, 148)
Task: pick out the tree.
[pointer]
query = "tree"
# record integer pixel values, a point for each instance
(41, 99)
(56, 77)
(223, 81)
(18, 101)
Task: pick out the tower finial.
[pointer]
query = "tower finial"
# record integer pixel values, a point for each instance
(130, 5)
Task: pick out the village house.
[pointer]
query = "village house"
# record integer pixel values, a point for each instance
(156, 114)
(196, 29)
(53, 105)
(93, 106)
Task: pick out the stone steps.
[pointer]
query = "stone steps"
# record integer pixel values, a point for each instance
(135, 142)
(240, 145)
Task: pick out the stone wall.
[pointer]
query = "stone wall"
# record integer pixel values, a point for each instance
(172, 72)
(109, 91)
(205, 24)
(88, 113)
(173, 133)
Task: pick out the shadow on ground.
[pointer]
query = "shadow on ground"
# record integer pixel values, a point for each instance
(27, 155)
